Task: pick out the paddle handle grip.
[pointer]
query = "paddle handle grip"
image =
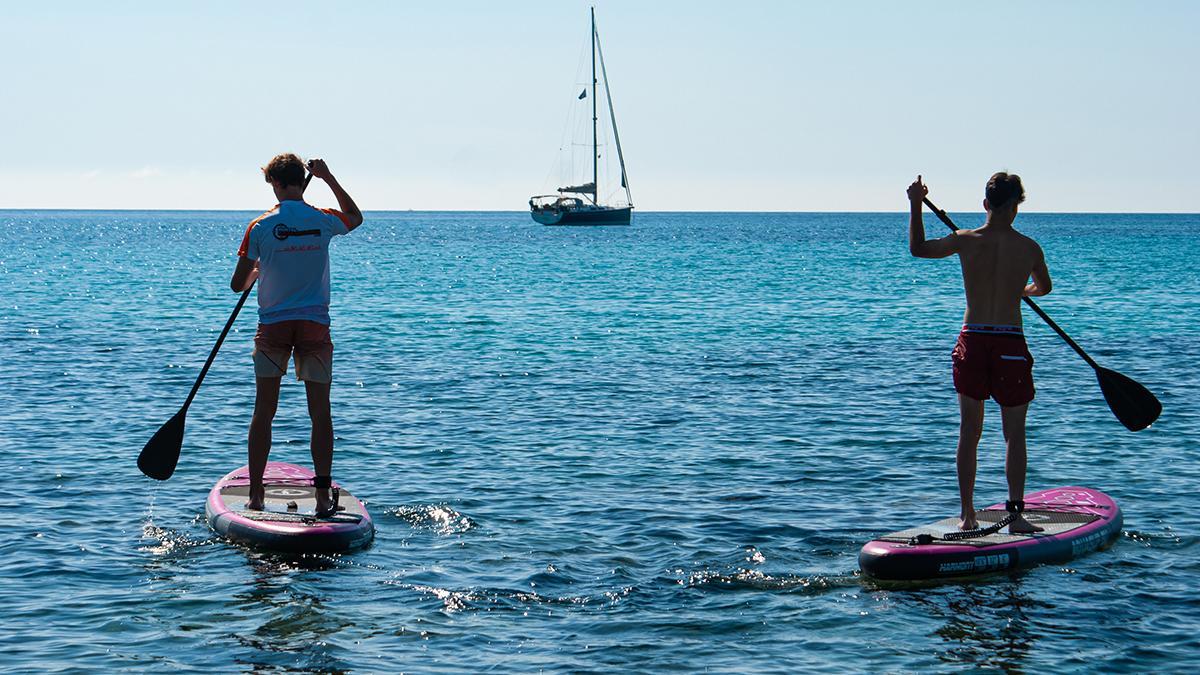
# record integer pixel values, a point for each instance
(1029, 301)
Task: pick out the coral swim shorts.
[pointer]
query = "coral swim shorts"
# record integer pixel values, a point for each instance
(993, 361)
(275, 342)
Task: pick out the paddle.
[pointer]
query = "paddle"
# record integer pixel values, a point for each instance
(161, 453)
(1132, 403)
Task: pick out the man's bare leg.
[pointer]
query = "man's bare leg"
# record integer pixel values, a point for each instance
(322, 436)
(266, 401)
(969, 429)
(1015, 461)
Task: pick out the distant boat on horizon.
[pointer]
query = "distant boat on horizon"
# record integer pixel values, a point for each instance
(579, 204)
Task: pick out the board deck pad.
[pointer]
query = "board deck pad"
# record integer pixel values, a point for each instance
(1051, 522)
(1075, 521)
(281, 495)
(288, 520)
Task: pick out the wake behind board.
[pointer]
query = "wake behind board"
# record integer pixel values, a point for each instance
(287, 523)
(1076, 520)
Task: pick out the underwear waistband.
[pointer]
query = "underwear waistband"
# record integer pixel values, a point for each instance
(993, 329)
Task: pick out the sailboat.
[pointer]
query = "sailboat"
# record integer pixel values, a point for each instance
(580, 204)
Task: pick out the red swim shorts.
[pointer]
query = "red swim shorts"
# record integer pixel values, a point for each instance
(995, 364)
(274, 344)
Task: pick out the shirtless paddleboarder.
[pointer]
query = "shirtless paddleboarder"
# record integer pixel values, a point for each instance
(990, 358)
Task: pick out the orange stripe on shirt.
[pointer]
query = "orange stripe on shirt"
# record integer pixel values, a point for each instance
(246, 237)
(341, 216)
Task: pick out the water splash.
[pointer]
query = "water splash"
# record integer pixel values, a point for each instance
(438, 518)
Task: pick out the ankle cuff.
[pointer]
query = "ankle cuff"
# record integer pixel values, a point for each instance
(322, 482)
(1014, 506)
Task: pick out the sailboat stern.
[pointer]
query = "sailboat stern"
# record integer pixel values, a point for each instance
(546, 216)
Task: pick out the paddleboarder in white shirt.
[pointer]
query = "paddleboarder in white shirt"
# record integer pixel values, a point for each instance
(287, 250)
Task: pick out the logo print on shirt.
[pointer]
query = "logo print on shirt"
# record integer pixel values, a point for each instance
(282, 232)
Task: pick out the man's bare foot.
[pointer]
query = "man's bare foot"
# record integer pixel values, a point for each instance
(968, 522)
(325, 502)
(258, 497)
(1022, 526)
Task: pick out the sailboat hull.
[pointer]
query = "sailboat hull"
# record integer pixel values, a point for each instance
(602, 215)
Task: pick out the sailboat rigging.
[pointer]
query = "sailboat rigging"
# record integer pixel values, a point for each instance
(580, 204)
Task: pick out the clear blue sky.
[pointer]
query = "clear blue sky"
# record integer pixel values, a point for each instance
(790, 106)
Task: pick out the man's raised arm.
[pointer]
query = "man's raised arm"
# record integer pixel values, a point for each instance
(918, 246)
(345, 203)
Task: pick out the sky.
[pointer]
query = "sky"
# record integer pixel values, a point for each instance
(748, 106)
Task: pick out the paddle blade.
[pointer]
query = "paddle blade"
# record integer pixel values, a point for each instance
(161, 453)
(1132, 403)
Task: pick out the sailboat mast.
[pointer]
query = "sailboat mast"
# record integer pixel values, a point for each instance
(595, 141)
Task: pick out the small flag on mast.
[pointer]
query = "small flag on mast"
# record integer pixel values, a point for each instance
(583, 94)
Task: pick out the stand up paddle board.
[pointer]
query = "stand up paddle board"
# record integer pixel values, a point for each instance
(1076, 520)
(287, 522)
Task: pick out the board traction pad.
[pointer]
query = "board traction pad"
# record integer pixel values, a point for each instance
(289, 517)
(1053, 522)
(275, 504)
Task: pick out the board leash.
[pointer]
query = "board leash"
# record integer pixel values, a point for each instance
(1014, 509)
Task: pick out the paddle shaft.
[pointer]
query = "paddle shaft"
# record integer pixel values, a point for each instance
(228, 324)
(1029, 301)
(217, 347)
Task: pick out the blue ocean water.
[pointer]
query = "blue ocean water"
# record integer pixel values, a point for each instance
(655, 448)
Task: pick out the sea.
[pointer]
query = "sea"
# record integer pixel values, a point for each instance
(656, 448)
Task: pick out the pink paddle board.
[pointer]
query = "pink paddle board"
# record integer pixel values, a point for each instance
(1076, 520)
(287, 523)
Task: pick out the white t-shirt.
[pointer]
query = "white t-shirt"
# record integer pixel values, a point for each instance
(291, 244)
